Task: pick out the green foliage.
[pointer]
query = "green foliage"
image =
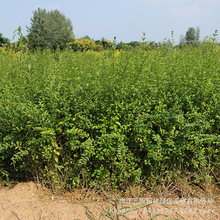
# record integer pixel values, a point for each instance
(134, 43)
(107, 44)
(127, 46)
(49, 29)
(22, 43)
(192, 35)
(111, 118)
(84, 44)
(87, 37)
(3, 40)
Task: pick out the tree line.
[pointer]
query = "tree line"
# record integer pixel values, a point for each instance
(53, 30)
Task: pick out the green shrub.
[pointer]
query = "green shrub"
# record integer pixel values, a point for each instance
(98, 119)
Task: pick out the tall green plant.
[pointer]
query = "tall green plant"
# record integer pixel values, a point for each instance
(110, 118)
(49, 29)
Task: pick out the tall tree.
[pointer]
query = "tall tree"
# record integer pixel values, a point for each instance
(49, 29)
(192, 34)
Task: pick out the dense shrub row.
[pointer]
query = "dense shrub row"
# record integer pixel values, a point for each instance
(110, 118)
(85, 44)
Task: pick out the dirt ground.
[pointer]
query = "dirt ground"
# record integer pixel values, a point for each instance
(29, 201)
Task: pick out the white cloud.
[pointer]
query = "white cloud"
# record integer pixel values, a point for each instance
(187, 11)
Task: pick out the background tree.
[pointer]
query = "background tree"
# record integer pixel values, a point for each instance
(182, 40)
(120, 46)
(49, 29)
(197, 33)
(167, 42)
(134, 43)
(3, 40)
(87, 37)
(192, 34)
(107, 44)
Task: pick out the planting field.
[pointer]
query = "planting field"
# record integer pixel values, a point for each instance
(111, 119)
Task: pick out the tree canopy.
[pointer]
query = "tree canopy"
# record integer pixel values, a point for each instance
(49, 29)
(3, 40)
(192, 34)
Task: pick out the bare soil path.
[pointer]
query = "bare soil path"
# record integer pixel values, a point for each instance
(27, 201)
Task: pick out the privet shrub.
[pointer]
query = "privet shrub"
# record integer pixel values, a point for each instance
(110, 118)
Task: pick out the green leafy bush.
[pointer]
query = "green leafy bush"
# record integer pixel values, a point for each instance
(109, 118)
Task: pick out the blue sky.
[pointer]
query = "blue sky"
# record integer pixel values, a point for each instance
(125, 19)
